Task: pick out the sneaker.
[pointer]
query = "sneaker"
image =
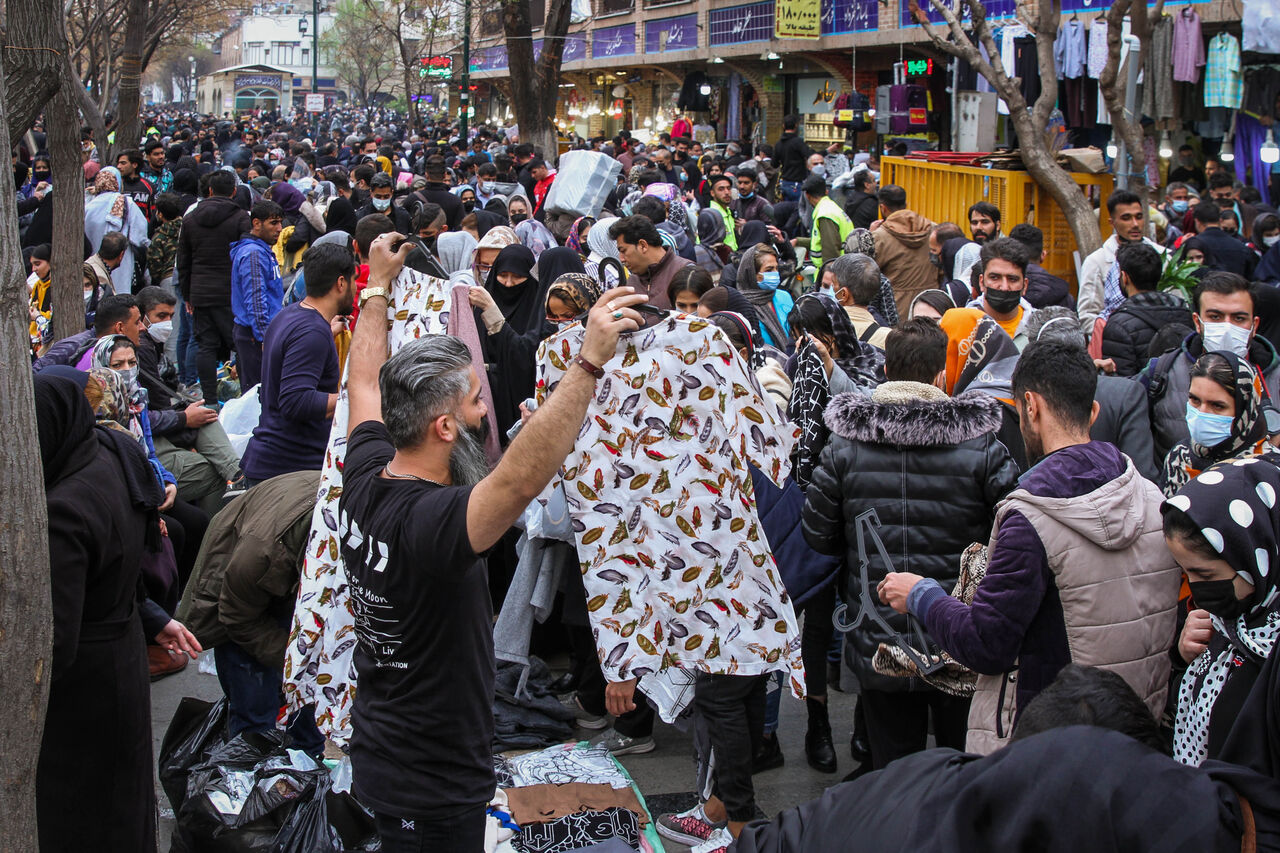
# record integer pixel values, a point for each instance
(690, 828)
(584, 718)
(235, 487)
(718, 842)
(620, 744)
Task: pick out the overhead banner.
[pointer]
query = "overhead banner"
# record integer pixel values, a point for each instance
(797, 19)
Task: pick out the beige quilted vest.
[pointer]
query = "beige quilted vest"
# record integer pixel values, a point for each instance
(1118, 585)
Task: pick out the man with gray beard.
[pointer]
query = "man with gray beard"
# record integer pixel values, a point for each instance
(419, 510)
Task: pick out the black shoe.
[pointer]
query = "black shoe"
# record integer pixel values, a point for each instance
(817, 740)
(833, 675)
(768, 755)
(566, 683)
(859, 746)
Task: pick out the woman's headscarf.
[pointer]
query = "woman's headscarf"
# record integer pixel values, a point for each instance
(711, 228)
(1209, 262)
(860, 361)
(934, 295)
(115, 410)
(754, 232)
(104, 185)
(678, 215)
(185, 182)
(1234, 505)
(667, 192)
(496, 238)
(64, 425)
(488, 220)
(1248, 428)
(455, 250)
(578, 290)
(574, 240)
(498, 207)
(967, 257)
(135, 394)
(980, 355)
(557, 261)
(761, 299)
(598, 240)
(522, 305)
(289, 197)
(950, 249)
(536, 236)
(860, 242)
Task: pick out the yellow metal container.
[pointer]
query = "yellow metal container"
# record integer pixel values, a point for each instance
(943, 193)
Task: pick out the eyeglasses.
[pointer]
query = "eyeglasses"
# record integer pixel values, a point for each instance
(484, 269)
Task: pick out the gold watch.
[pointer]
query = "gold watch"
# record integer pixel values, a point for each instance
(370, 292)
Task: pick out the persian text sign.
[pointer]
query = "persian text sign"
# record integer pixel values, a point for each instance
(797, 19)
(248, 81)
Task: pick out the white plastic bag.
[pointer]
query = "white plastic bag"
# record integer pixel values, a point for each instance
(583, 182)
(239, 418)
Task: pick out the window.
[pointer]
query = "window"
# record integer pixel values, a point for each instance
(306, 55)
(282, 52)
(253, 52)
(615, 7)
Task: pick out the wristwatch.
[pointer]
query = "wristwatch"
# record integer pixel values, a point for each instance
(370, 292)
(597, 372)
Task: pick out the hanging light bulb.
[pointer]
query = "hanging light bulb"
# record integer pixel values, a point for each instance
(704, 89)
(1166, 147)
(1113, 150)
(1228, 154)
(1269, 152)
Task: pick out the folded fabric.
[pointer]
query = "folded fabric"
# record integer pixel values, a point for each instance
(574, 832)
(567, 763)
(543, 803)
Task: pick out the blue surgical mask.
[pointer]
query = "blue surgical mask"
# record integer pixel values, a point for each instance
(381, 203)
(770, 280)
(1179, 206)
(749, 195)
(1208, 430)
(486, 187)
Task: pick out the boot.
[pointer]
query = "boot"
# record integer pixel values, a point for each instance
(768, 754)
(817, 739)
(859, 746)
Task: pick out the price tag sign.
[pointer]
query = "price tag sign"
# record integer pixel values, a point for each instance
(844, 115)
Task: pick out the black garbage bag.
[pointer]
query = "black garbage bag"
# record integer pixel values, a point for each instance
(329, 822)
(197, 727)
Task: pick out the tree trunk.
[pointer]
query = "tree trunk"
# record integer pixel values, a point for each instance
(26, 615)
(1113, 89)
(35, 45)
(129, 89)
(535, 87)
(63, 128)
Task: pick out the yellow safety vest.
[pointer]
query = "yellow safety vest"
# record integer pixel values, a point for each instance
(828, 209)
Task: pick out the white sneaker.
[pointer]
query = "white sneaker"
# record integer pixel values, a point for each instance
(717, 843)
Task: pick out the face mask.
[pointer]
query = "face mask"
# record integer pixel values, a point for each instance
(770, 281)
(517, 218)
(1225, 336)
(160, 331)
(745, 196)
(469, 206)
(683, 176)
(1179, 206)
(1002, 301)
(828, 291)
(486, 187)
(1271, 241)
(1219, 598)
(129, 375)
(1207, 429)
(381, 203)
(40, 176)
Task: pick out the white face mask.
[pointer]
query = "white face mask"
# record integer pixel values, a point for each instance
(160, 331)
(486, 187)
(1225, 336)
(1271, 241)
(381, 203)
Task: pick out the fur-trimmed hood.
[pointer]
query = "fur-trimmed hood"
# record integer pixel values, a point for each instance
(918, 422)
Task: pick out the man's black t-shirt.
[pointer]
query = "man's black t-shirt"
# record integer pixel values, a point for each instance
(422, 723)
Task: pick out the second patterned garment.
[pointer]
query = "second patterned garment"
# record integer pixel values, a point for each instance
(677, 570)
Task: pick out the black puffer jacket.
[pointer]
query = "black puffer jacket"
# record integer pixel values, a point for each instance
(932, 469)
(204, 251)
(1129, 330)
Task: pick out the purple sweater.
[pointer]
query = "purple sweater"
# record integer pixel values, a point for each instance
(1016, 617)
(299, 372)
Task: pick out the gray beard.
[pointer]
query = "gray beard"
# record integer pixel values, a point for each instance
(468, 464)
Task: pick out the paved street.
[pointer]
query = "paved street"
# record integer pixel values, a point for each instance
(668, 769)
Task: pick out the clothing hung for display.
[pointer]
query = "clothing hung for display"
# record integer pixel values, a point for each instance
(319, 668)
(1158, 101)
(1261, 88)
(1097, 51)
(676, 567)
(1188, 46)
(1223, 84)
(1069, 51)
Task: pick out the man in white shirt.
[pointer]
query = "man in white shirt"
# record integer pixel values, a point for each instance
(1128, 221)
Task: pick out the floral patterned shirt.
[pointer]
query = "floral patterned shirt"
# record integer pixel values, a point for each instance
(677, 569)
(319, 666)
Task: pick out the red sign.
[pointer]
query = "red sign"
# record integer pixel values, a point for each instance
(918, 115)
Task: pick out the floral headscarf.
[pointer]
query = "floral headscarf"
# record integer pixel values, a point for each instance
(980, 355)
(499, 237)
(1248, 428)
(108, 181)
(574, 240)
(102, 350)
(667, 192)
(115, 410)
(860, 241)
(535, 236)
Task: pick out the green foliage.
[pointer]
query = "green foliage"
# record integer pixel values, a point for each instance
(1177, 275)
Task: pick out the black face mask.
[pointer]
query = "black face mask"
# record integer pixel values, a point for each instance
(429, 242)
(517, 218)
(468, 206)
(936, 260)
(1219, 598)
(1002, 301)
(40, 176)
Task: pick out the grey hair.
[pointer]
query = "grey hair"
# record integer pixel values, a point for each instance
(859, 274)
(1055, 323)
(427, 378)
